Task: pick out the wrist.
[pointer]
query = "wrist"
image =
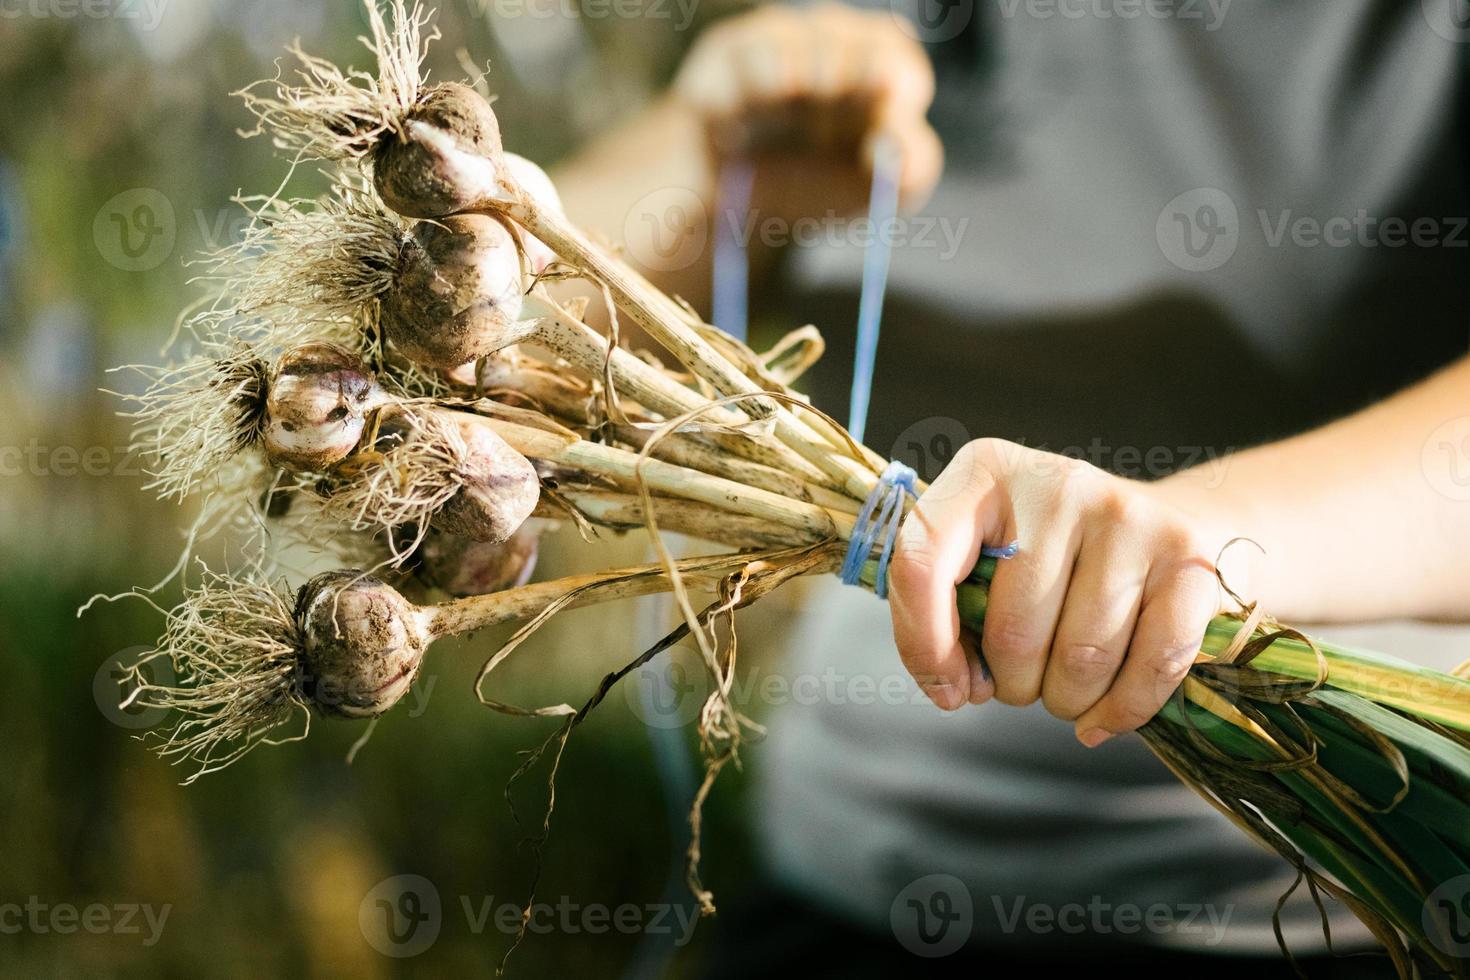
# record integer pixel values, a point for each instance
(1230, 527)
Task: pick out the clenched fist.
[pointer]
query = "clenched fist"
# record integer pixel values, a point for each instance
(1099, 615)
(821, 86)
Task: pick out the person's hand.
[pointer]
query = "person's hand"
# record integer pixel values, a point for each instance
(1099, 614)
(817, 89)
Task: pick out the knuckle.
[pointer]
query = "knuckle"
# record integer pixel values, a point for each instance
(1008, 637)
(973, 468)
(1166, 671)
(994, 460)
(1087, 661)
(1190, 583)
(1120, 506)
(1179, 540)
(1074, 471)
(1064, 484)
(966, 460)
(987, 451)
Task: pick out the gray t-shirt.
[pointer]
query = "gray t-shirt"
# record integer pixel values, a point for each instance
(1160, 237)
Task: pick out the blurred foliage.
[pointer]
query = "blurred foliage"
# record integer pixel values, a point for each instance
(265, 865)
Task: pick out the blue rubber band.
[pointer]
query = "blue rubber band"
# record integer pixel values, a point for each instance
(877, 526)
(1001, 551)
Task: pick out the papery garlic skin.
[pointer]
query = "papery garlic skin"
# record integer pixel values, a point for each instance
(458, 293)
(460, 567)
(501, 488)
(448, 159)
(363, 644)
(317, 406)
(538, 186)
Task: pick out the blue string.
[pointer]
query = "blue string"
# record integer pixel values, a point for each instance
(877, 527)
(730, 289)
(886, 502)
(882, 212)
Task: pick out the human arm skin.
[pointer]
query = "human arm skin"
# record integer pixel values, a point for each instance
(1367, 518)
(1101, 612)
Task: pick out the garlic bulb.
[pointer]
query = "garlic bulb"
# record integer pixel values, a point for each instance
(363, 644)
(316, 407)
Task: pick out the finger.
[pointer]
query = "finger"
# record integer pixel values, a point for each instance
(921, 154)
(708, 81)
(982, 686)
(900, 76)
(830, 64)
(937, 547)
(1178, 603)
(1097, 621)
(768, 66)
(1026, 595)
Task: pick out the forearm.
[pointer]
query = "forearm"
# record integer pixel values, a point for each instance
(1365, 518)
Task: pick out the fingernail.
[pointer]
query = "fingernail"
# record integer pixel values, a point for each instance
(980, 688)
(946, 696)
(1094, 737)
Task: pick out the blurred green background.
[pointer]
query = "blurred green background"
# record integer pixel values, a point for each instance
(119, 156)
